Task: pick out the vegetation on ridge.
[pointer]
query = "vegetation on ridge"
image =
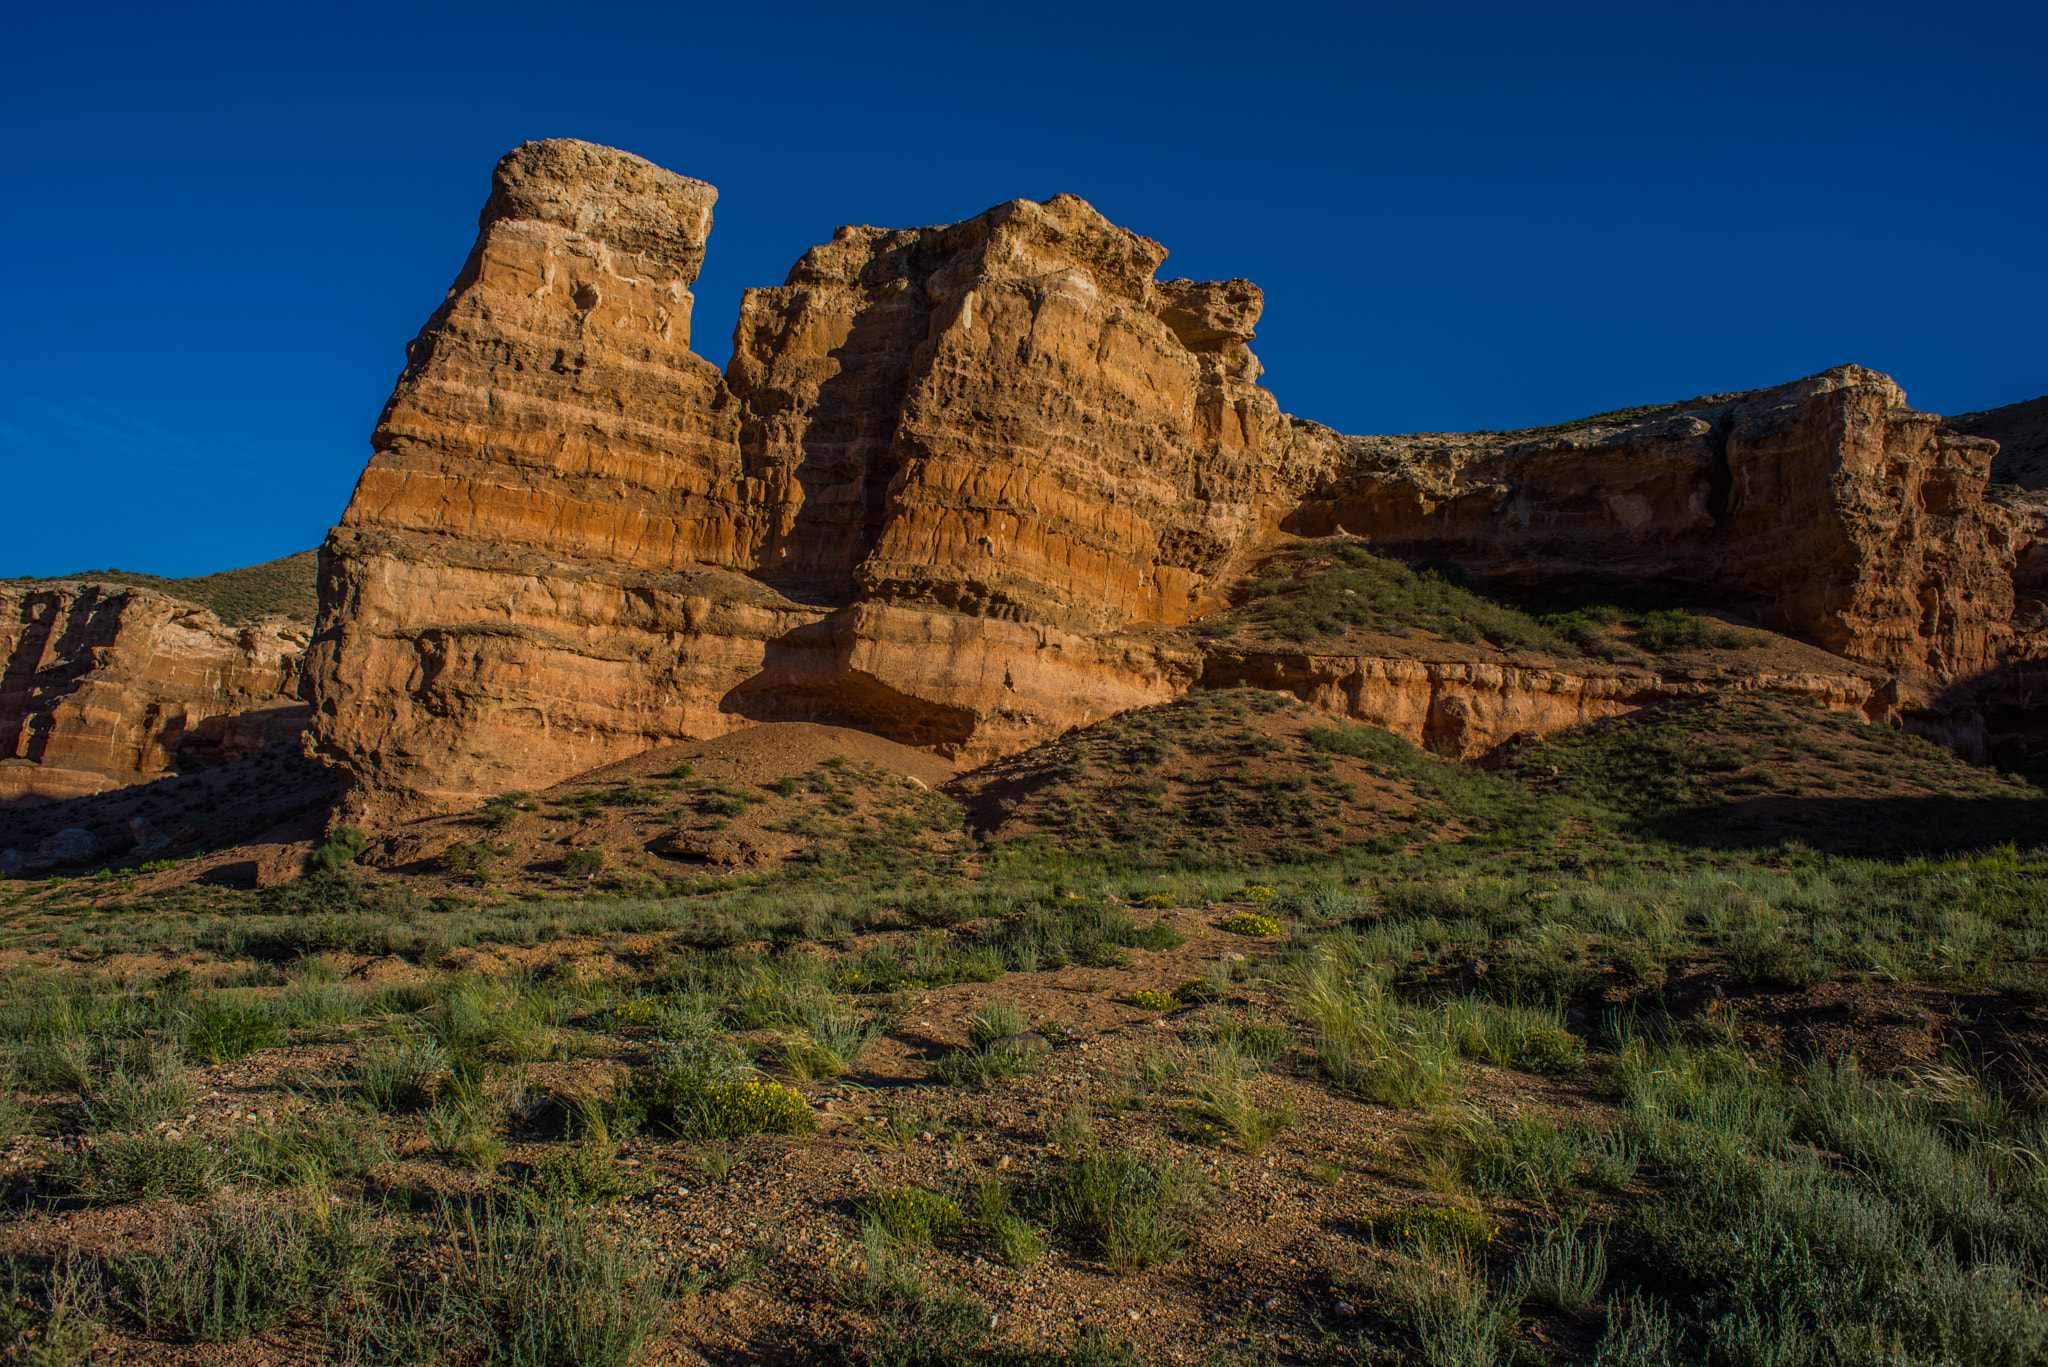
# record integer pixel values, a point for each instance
(289, 587)
(1322, 590)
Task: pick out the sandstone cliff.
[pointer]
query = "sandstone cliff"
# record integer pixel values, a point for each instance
(1825, 508)
(962, 486)
(105, 685)
(948, 469)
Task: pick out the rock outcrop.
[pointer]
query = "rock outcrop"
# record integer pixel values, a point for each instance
(1826, 509)
(2021, 431)
(962, 486)
(106, 685)
(1467, 708)
(950, 471)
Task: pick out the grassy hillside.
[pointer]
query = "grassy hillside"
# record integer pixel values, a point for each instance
(289, 586)
(1322, 590)
(1235, 1036)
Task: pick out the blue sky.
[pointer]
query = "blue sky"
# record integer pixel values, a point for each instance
(225, 222)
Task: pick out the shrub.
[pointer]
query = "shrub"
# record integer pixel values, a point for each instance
(583, 863)
(339, 850)
(1159, 901)
(996, 1020)
(1128, 1208)
(226, 1033)
(1525, 1038)
(912, 1215)
(685, 1098)
(399, 1074)
(230, 1272)
(474, 860)
(1258, 892)
(145, 1169)
(1561, 1269)
(1435, 1228)
(1148, 1000)
(1250, 923)
(536, 1286)
(587, 1172)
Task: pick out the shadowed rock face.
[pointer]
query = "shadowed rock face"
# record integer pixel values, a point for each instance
(104, 685)
(960, 484)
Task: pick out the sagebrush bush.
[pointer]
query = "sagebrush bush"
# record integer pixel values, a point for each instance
(913, 1215)
(1129, 1208)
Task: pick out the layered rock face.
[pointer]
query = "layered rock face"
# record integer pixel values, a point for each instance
(106, 685)
(950, 471)
(1825, 508)
(1468, 708)
(961, 485)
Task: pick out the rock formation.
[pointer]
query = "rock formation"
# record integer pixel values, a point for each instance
(2021, 431)
(961, 486)
(106, 685)
(951, 471)
(1825, 508)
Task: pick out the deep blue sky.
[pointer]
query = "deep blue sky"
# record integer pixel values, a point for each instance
(223, 223)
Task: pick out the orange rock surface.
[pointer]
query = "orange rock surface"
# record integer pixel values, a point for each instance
(1825, 508)
(961, 486)
(105, 685)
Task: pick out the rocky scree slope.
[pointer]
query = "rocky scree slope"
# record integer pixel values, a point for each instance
(965, 485)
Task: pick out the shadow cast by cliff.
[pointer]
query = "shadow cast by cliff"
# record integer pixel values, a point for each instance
(1874, 828)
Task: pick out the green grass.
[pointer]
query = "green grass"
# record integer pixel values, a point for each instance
(1324, 590)
(1720, 1206)
(289, 586)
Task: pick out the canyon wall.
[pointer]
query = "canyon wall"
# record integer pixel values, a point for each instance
(950, 478)
(105, 685)
(964, 485)
(1826, 509)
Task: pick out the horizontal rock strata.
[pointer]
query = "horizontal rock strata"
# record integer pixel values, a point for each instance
(1825, 509)
(104, 685)
(960, 485)
(1467, 708)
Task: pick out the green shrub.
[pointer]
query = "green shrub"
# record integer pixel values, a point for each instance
(1250, 923)
(339, 850)
(227, 1033)
(912, 1215)
(1530, 1039)
(587, 1172)
(536, 1285)
(232, 1271)
(144, 1169)
(1561, 1269)
(1433, 1228)
(1148, 1000)
(399, 1074)
(583, 863)
(683, 1097)
(1128, 1208)
(474, 860)
(997, 1019)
